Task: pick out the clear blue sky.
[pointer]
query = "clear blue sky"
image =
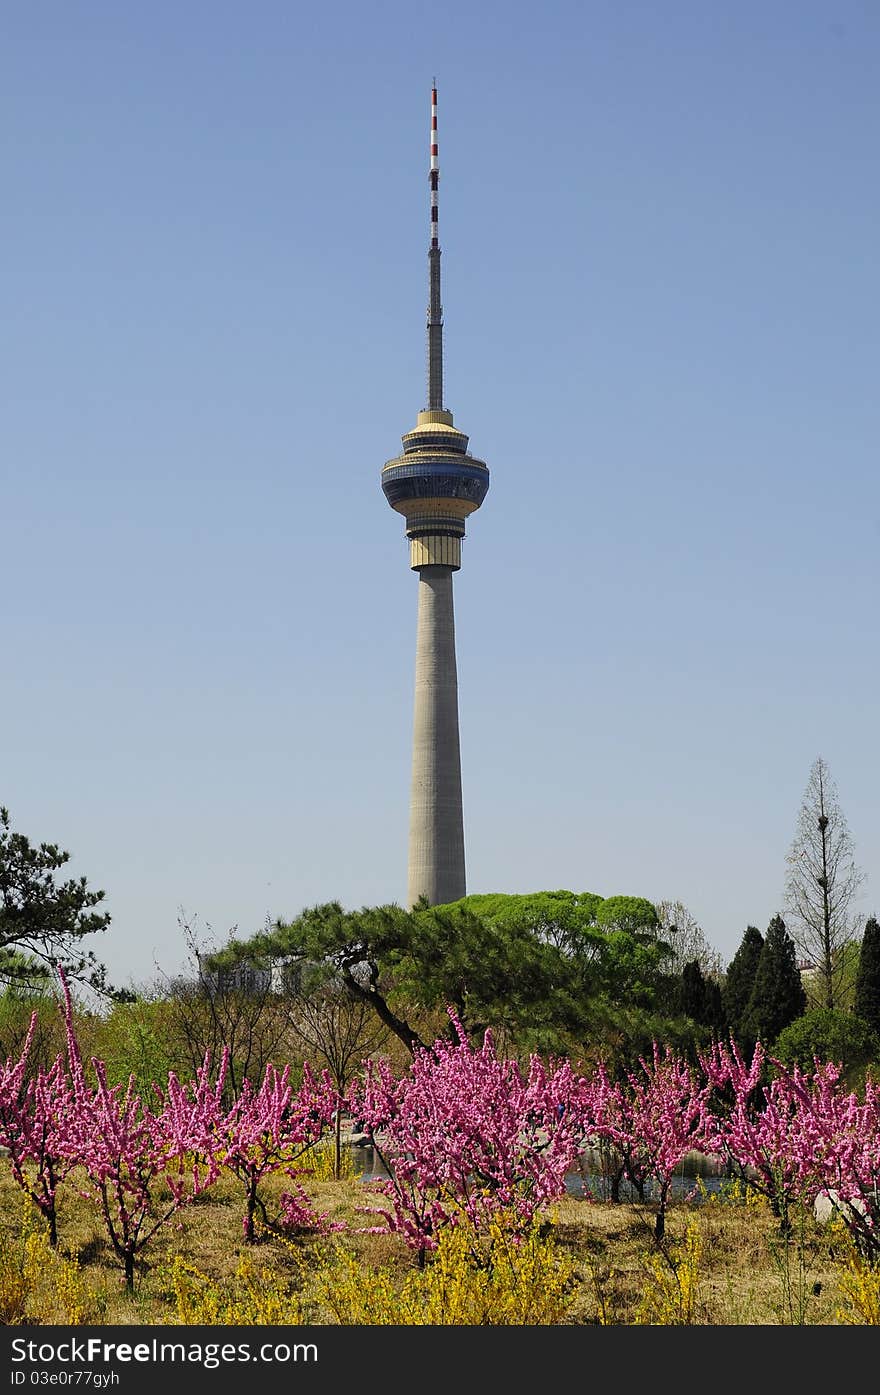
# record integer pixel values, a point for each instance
(660, 234)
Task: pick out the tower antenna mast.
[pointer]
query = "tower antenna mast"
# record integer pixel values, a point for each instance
(435, 308)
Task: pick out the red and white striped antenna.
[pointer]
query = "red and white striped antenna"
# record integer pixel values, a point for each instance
(435, 309)
(435, 167)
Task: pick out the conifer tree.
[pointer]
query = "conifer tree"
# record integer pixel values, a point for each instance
(822, 882)
(693, 991)
(700, 997)
(778, 995)
(740, 980)
(867, 995)
(713, 1013)
(43, 921)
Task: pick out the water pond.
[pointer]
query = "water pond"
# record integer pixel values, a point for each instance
(590, 1180)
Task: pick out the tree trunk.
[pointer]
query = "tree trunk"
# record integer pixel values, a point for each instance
(249, 1233)
(828, 965)
(660, 1222)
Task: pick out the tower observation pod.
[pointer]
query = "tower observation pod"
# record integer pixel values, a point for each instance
(435, 484)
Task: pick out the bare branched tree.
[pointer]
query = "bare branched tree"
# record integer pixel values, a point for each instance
(683, 933)
(822, 883)
(337, 1029)
(212, 1010)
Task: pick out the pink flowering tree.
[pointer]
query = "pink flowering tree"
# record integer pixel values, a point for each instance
(833, 1144)
(853, 1171)
(757, 1128)
(608, 1130)
(656, 1118)
(140, 1165)
(266, 1130)
(465, 1132)
(35, 1113)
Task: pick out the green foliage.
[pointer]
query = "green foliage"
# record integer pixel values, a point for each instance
(566, 919)
(693, 991)
(632, 914)
(17, 1003)
(845, 968)
(615, 953)
(630, 969)
(44, 920)
(829, 1035)
(362, 949)
(778, 995)
(700, 997)
(494, 974)
(137, 1039)
(740, 980)
(867, 988)
(619, 1033)
(536, 967)
(408, 963)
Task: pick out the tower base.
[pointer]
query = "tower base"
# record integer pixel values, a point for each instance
(436, 828)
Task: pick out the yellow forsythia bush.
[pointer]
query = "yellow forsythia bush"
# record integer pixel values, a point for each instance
(487, 1278)
(256, 1296)
(491, 1277)
(319, 1162)
(39, 1285)
(860, 1286)
(671, 1293)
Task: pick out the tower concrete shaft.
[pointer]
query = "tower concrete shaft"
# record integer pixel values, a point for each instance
(436, 818)
(436, 484)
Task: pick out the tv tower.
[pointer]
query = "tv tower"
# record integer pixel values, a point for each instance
(435, 484)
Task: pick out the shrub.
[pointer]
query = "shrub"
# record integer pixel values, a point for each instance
(828, 1035)
(493, 1275)
(39, 1284)
(860, 1287)
(256, 1296)
(671, 1295)
(318, 1163)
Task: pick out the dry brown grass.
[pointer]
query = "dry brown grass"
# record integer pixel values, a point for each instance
(746, 1273)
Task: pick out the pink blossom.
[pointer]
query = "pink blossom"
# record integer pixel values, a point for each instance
(465, 1132)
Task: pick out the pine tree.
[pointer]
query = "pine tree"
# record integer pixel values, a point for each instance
(740, 979)
(700, 997)
(43, 920)
(867, 997)
(692, 991)
(778, 995)
(713, 1013)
